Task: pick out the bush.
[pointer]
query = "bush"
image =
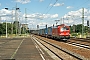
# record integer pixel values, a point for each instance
(74, 34)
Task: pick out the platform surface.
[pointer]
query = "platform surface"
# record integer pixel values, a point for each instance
(21, 49)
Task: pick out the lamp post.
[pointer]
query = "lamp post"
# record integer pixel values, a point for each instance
(6, 24)
(12, 19)
(16, 19)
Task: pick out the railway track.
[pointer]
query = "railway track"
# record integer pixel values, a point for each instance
(80, 42)
(80, 45)
(81, 51)
(81, 39)
(67, 53)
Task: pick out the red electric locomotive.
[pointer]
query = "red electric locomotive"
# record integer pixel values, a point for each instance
(61, 32)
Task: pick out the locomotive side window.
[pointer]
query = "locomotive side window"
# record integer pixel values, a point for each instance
(64, 28)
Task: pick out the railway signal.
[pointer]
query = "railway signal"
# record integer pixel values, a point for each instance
(37, 26)
(57, 21)
(87, 22)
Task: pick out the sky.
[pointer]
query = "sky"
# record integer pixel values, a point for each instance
(42, 12)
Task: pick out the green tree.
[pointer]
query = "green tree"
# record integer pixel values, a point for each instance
(79, 28)
(9, 28)
(2, 28)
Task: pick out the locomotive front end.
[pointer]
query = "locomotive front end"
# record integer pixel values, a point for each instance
(64, 32)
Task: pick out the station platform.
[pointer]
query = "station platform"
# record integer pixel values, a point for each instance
(25, 49)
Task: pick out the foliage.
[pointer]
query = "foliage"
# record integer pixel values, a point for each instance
(78, 29)
(74, 34)
(2, 28)
(11, 28)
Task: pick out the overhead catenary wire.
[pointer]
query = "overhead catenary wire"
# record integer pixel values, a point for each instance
(47, 6)
(51, 6)
(83, 3)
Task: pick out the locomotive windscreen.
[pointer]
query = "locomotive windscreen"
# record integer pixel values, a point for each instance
(64, 28)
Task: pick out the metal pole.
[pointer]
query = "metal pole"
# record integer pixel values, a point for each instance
(82, 21)
(16, 18)
(25, 20)
(6, 28)
(6, 24)
(68, 21)
(20, 28)
(63, 20)
(12, 21)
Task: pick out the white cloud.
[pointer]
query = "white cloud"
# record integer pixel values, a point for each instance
(42, 24)
(75, 17)
(4, 14)
(40, 19)
(69, 7)
(23, 1)
(57, 4)
(40, 16)
(7, 15)
(54, 16)
(72, 17)
(41, 0)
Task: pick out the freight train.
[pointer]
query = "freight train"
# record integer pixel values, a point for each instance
(60, 32)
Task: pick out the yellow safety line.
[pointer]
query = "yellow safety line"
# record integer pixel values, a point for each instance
(16, 50)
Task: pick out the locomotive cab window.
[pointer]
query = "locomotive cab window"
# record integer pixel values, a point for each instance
(64, 28)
